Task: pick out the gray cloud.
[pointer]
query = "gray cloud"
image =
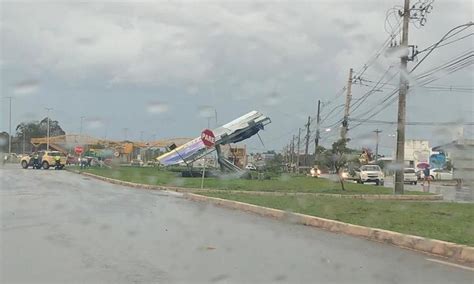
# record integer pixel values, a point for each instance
(235, 56)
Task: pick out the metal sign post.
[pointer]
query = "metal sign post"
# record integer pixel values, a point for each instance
(209, 140)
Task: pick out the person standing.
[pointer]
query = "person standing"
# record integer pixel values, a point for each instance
(426, 179)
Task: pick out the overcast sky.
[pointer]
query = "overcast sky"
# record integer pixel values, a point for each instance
(161, 67)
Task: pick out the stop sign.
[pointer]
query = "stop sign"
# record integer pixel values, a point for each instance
(208, 138)
(78, 149)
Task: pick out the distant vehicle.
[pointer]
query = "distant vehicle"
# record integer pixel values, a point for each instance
(436, 174)
(250, 167)
(46, 159)
(136, 163)
(71, 160)
(409, 176)
(315, 172)
(349, 174)
(11, 158)
(32, 160)
(441, 174)
(369, 173)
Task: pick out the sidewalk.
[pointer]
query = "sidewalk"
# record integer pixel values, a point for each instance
(449, 192)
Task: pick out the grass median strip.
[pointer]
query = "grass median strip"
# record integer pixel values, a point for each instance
(284, 183)
(450, 222)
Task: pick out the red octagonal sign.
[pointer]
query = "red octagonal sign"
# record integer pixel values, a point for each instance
(208, 138)
(78, 150)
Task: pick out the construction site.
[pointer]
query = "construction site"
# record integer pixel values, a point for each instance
(123, 151)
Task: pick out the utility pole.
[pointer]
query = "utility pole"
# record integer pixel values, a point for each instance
(10, 129)
(298, 152)
(47, 130)
(292, 149)
(306, 160)
(345, 123)
(215, 117)
(377, 144)
(402, 93)
(316, 139)
(80, 130)
(23, 152)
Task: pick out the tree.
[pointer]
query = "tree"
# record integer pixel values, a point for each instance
(54, 128)
(275, 164)
(37, 129)
(4, 142)
(339, 157)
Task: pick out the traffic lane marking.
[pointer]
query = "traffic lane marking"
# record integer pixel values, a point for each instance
(451, 264)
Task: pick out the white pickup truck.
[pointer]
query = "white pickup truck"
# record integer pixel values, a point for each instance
(369, 173)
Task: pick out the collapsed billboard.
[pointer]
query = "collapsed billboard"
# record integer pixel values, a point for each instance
(235, 131)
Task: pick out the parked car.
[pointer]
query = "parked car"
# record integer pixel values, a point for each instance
(409, 176)
(250, 167)
(32, 160)
(46, 159)
(369, 173)
(441, 174)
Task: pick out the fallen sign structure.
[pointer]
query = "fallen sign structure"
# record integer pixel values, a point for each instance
(235, 131)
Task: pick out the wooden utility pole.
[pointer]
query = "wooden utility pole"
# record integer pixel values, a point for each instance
(345, 123)
(377, 144)
(402, 93)
(316, 139)
(80, 129)
(298, 152)
(292, 148)
(10, 129)
(306, 160)
(48, 109)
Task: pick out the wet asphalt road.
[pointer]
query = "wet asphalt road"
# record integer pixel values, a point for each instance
(60, 227)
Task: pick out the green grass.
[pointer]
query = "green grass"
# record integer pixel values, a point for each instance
(451, 222)
(284, 183)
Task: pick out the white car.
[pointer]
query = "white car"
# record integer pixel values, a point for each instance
(315, 172)
(440, 174)
(250, 167)
(370, 173)
(409, 176)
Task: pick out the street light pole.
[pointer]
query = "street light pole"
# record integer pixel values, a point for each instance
(47, 130)
(80, 130)
(23, 152)
(10, 129)
(377, 132)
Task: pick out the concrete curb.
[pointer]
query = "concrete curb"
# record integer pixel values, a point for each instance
(455, 252)
(436, 197)
(353, 196)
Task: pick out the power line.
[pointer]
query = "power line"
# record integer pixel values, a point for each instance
(439, 42)
(460, 63)
(423, 123)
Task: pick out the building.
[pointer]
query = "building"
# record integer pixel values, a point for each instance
(416, 152)
(461, 154)
(237, 154)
